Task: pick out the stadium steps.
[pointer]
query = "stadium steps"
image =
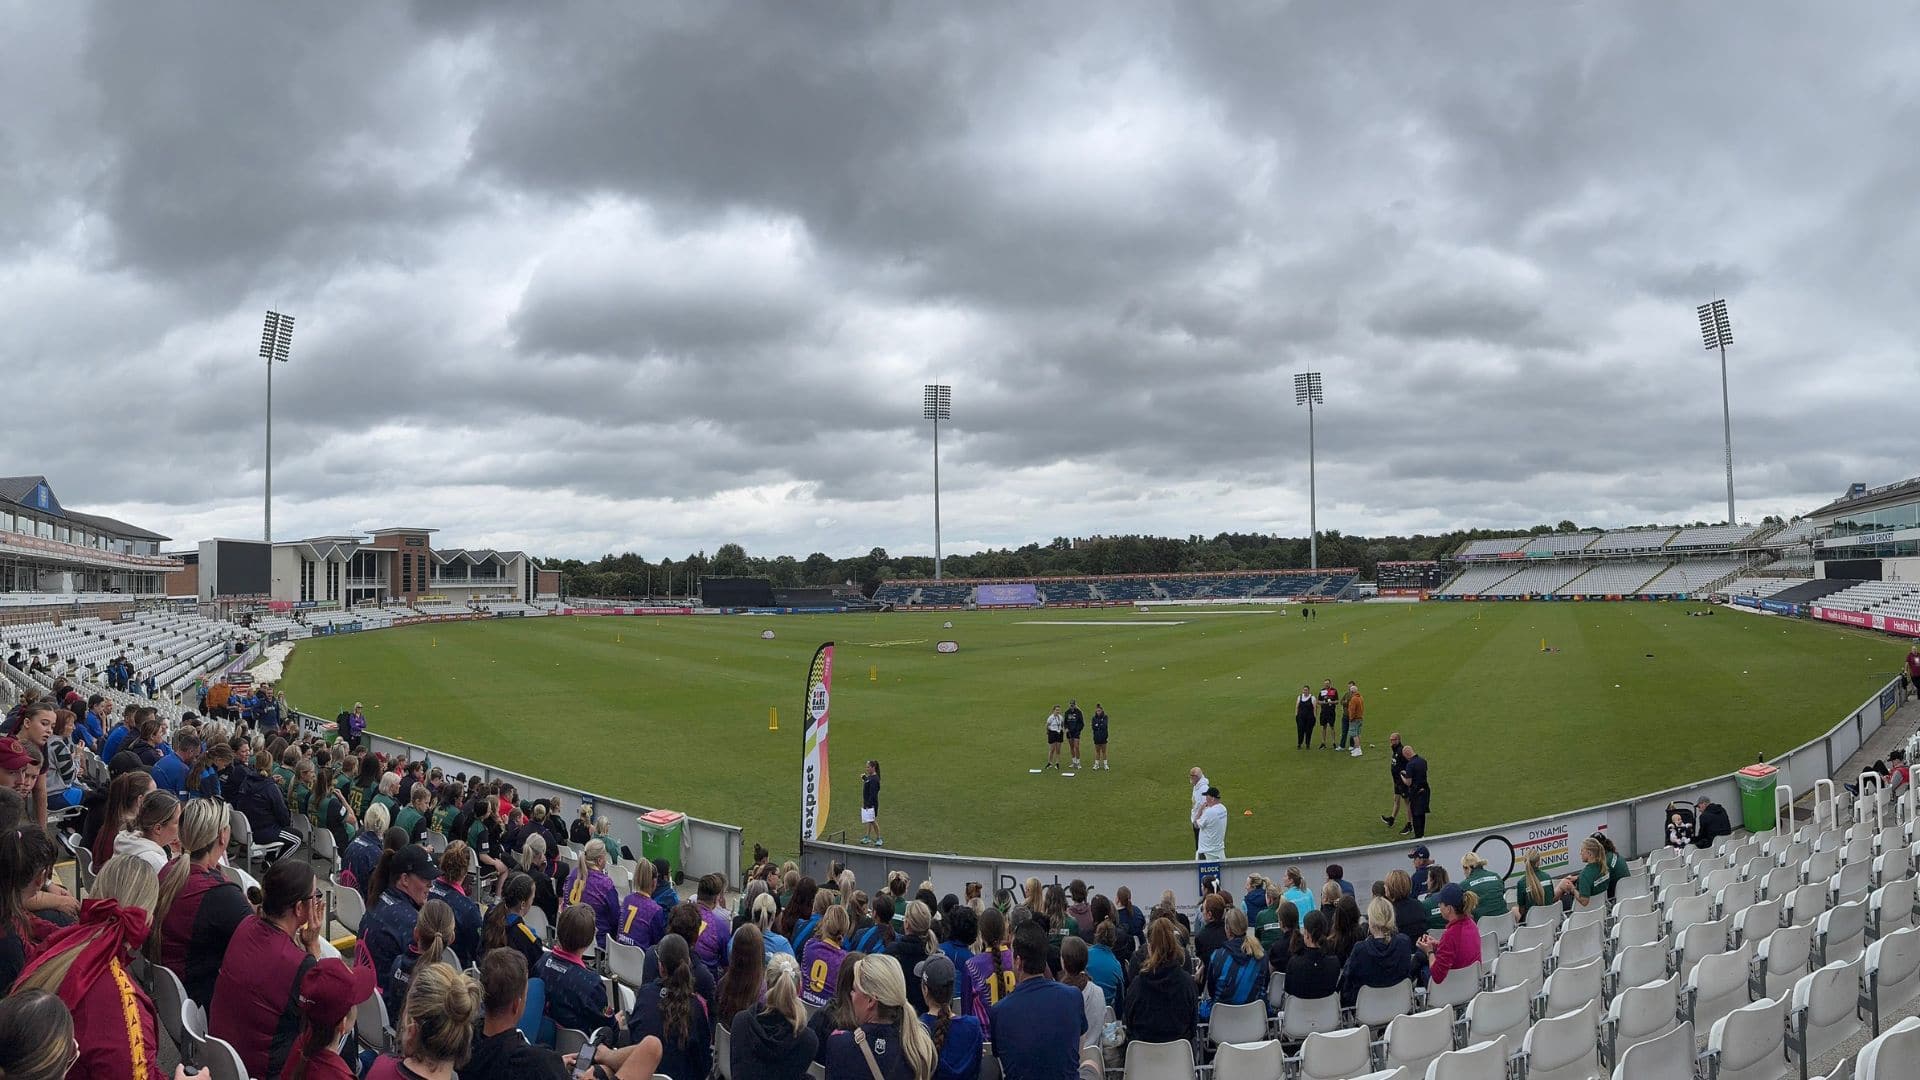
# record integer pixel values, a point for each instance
(1813, 590)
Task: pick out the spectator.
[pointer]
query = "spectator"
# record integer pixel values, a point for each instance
(765, 911)
(1127, 917)
(1680, 831)
(1337, 874)
(533, 863)
(1385, 958)
(716, 927)
(1281, 938)
(1161, 1002)
(991, 972)
(122, 802)
(258, 799)
(329, 993)
(820, 963)
(1297, 893)
(147, 739)
(155, 829)
(911, 946)
(1436, 880)
(26, 854)
(63, 771)
(1422, 866)
(1103, 965)
(795, 910)
(1079, 911)
(771, 1038)
(575, 998)
(1534, 889)
(199, 911)
(1344, 915)
(1419, 791)
(451, 890)
(36, 1036)
(180, 771)
(363, 854)
(1073, 974)
(1711, 823)
(668, 1009)
(254, 1006)
(432, 943)
(958, 1039)
(962, 928)
(876, 935)
(1312, 973)
(1600, 871)
(684, 920)
(405, 878)
(1459, 945)
(500, 1050)
(888, 1043)
(85, 966)
(506, 922)
(413, 815)
(745, 978)
(838, 1015)
(1237, 973)
(434, 1027)
(588, 883)
(1213, 931)
(1484, 884)
(642, 922)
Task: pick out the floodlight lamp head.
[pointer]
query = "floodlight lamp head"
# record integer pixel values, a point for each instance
(276, 337)
(938, 402)
(1716, 330)
(1306, 388)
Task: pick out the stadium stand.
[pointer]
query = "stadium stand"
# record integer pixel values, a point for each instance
(1797, 533)
(1881, 597)
(1762, 586)
(1630, 541)
(1257, 585)
(1537, 579)
(1559, 543)
(1713, 536)
(1809, 591)
(1622, 577)
(1694, 575)
(1476, 580)
(1487, 549)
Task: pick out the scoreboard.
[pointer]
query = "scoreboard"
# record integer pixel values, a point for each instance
(1411, 578)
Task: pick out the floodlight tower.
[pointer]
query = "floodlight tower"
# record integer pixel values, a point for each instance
(1716, 331)
(276, 341)
(1306, 391)
(937, 406)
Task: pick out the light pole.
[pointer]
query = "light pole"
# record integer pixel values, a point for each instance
(1716, 330)
(1306, 391)
(938, 406)
(276, 341)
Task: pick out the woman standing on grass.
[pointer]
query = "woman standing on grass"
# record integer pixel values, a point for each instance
(870, 803)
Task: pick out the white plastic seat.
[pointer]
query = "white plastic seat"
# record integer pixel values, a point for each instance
(626, 963)
(1891, 1054)
(1159, 1060)
(1669, 1057)
(1841, 934)
(1853, 882)
(1376, 1006)
(1820, 865)
(1806, 902)
(1480, 1061)
(1642, 1012)
(370, 1024)
(1736, 897)
(1700, 939)
(1638, 964)
(1527, 936)
(1641, 904)
(1459, 987)
(1493, 1014)
(1237, 1023)
(1502, 926)
(1718, 985)
(1565, 1047)
(1522, 968)
(1785, 957)
(1414, 1040)
(1890, 907)
(348, 908)
(1547, 914)
(1749, 1043)
(1300, 1017)
(1780, 881)
(1489, 942)
(1893, 972)
(1718, 878)
(1263, 1060)
(222, 1060)
(1826, 1008)
(1579, 944)
(1632, 930)
(1571, 987)
(1335, 1055)
(1687, 910)
(1758, 922)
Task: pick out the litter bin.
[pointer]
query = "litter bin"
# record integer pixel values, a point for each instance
(1757, 784)
(660, 835)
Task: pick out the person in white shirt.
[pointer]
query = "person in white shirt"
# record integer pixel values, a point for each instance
(1056, 733)
(1200, 785)
(1210, 825)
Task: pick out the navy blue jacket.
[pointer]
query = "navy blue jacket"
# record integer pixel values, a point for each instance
(386, 933)
(575, 996)
(467, 920)
(1036, 1030)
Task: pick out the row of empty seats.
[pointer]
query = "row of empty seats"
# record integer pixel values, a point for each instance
(1617, 542)
(1269, 586)
(1613, 577)
(1899, 598)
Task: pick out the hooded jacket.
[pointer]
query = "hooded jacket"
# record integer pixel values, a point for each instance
(765, 1045)
(1160, 1005)
(1378, 962)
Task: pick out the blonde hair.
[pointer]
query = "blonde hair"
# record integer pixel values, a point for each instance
(534, 851)
(1592, 851)
(1472, 861)
(126, 879)
(783, 992)
(376, 818)
(879, 977)
(835, 924)
(765, 910)
(1380, 918)
(433, 931)
(438, 1016)
(593, 856)
(1536, 893)
(1236, 926)
(201, 823)
(1330, 893)
(919, 924)
(1296, 878)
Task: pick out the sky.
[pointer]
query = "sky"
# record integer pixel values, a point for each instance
(583, 278)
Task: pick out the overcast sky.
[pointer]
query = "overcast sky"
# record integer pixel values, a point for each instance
(586, 278)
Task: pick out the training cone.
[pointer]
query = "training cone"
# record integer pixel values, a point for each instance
(1247, 813)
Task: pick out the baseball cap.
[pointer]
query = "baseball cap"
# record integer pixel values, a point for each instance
(13, 754)
(1212, 792)
(1419, 852)
(416, 860)
(127, 761)
(936, 971)
(330, 990)
(1453, 896)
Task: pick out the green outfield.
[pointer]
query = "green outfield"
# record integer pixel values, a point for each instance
(1632, 697)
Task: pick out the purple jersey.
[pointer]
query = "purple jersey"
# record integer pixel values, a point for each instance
(987, 988)
(639, 919)
(599, 893)
(820, 972)
(715, 928)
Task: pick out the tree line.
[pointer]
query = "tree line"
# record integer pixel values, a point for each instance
(633, 575)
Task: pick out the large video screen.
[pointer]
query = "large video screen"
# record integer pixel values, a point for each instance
(243, 568)
(1006, 595)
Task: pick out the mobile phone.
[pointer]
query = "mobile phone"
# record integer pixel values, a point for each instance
(583, 1065)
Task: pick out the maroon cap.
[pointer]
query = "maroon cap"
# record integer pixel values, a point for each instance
(13, 755)
(330, 990)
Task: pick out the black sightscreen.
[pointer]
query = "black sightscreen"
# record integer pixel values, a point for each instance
(244, 567)
(736, 592)
(1854, 569)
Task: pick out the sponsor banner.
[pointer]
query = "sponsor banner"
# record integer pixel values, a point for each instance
(1904, 627)
(305, 605)
(330, 629)
(1390, 590)
(627, 611)
(508, 614)
(1747, 601)
(814, 779)
(947, 647)
(239, 678)
(1010, 595)
(1778, 607)
(415, 620)
(1845, 618)
(1889, 701)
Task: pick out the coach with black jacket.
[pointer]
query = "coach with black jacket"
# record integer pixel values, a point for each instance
(1711, 823)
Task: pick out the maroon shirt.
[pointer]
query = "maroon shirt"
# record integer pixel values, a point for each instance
(250, 1000)
(203, 918)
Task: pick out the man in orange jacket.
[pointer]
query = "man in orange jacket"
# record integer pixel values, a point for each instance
(1356, 707)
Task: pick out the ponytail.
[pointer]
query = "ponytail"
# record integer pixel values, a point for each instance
(517, 890)
(676, 989)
